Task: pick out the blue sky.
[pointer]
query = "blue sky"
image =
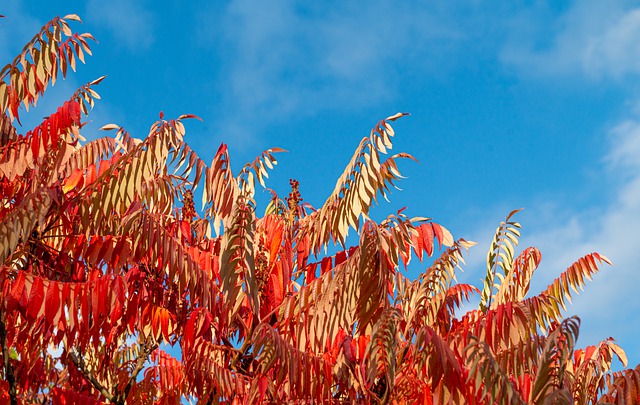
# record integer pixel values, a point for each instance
(514, 104)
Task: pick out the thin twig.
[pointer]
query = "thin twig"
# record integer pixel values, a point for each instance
(79, 362)
(146, 351)
(118, 398)
(245, 346)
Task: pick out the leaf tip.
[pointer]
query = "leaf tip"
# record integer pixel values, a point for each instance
(109, 127)
(73, 17)
(397, 115)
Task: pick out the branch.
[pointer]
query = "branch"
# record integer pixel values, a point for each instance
(147, 348)
(117, 398)
(79, 362)
(8, 368)
(243, 349)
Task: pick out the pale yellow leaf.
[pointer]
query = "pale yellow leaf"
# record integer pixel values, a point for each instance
(73, 17)
(109, 127)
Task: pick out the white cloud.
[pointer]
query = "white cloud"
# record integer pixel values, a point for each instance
(284, 58)
(599, 39)
(609, 306)
(127, 20)
(625, 147)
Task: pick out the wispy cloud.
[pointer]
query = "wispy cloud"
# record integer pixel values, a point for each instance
(595, 38)
(609, 305)
(128, 21)
(598, 40)
(285, 58)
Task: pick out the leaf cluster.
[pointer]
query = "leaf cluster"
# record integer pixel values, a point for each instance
(115, 288)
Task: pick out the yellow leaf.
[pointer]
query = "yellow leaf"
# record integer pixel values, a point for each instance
(73, 17)
(65, 28)
(447, 238)
(109, 127)
(619, 352)
(396, 116)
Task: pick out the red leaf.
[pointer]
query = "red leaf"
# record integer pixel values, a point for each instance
(36, 300)
(589, 351)
(363, 341)
(64, 114)
(91, 174)
(163, 318)
(120, 253)
(222, 149)
(13, 299)
(106, 250)
(262, 386)
(117, 298)
(277, 283)
(311, 272)
(337, 342)
(53, 131)
(349, 349)
(418, 243)
(35, 145)
(352, 250)
(64, 298)
(95, 303)
(341, 257)
(52, 305)
(132, 312)
(185, 229)
(438, 231)
(427, 238)
(188, 336)
(74, 112)
(325, 265)
(275, 236)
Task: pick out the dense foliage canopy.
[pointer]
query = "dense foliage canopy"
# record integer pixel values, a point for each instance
(115, 288)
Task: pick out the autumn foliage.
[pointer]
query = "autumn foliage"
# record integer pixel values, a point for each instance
(117, 287)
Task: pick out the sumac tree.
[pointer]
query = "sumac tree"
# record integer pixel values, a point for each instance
(116, 288)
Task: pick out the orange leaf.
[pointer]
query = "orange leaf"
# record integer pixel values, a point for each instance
(76, 178)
